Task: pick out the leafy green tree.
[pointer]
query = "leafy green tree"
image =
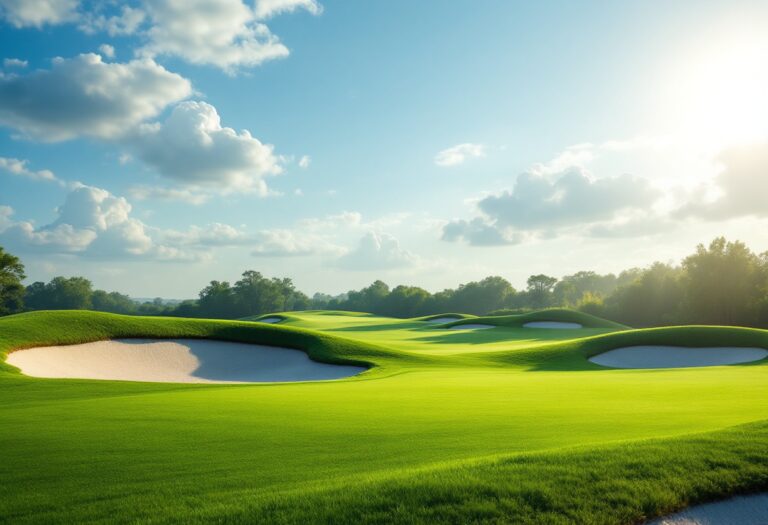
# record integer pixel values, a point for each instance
(540, 290)
(368, 299)
(114, 302)
(481, 297)
(571, 289)
(654, 298)
(61, 293)
(11, 289)
(723, 283)
(217, 300)
(405, 301)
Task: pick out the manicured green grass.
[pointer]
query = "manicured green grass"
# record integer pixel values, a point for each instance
(456, 426)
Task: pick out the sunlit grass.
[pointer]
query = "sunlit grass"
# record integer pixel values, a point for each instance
(506, 424)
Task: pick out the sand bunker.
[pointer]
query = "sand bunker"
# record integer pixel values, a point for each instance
(270, 320)
(677, 356)
(556, 325)
(743, 510)
(471, 326)
(175, 361)
(442, 320)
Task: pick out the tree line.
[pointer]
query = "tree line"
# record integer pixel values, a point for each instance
(720, 283)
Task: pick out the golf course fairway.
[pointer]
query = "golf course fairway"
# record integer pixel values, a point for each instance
(503, 425)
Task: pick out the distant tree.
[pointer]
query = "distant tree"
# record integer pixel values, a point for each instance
(217, 300)
(255, 294)
(652, 299)
(723, 283)
(405, 301)
(540, 290)
(11, 289)
(481, 297)
(112, 302)
(368, 299)
(61, 293)
(571, 289)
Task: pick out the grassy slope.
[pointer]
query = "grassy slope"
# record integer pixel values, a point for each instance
(450, 426)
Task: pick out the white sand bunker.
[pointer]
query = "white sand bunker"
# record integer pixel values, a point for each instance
(677, 356)
(175, 361)
(270, 320)
(555, 325)
(471, 326)
(442, 320)
(743, 510)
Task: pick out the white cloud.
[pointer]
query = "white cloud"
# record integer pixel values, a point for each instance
(190, 196)
(193, 148)
(376, 251)
(19, 167)
(458, 154)
(37, 13)
(215, 234)
(738, 189)
(84, 96)
(332, 223)
(479, 232)
(547, 206)
(107, 50)
(577, 156)
(304, 161)
(269, 8)
(287, 243)
(264, 243)
(91, 221)
(222, 33)
(15, 62)
(127, 22)
(574, 197)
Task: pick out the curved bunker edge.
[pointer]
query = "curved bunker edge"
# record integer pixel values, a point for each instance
(668, 356)
(176, 361)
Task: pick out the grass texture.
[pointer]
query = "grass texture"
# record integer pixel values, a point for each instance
(505, 425)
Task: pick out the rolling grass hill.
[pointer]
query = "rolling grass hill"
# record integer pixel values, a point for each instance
(508, 424)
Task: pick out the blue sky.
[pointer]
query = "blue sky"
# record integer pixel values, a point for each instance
(426, 143)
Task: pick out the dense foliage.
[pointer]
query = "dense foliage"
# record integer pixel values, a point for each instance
(722, 283)
(11, 289)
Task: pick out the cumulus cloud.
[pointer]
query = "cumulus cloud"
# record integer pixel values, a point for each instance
(576, 156)
(84, 96)
(216, 234)
(91, 221)
(222, 33)
(190, 196)
(37, 13)
(126, 22)
(15, 62)
(269, 8)
(479, 232)
(458, 154)
(107, 50)
(193, 148)
(573, 197)
(738, 190)
(289, 243)
(546, 206)
(304, 161)
(264, 243)
(376, 251)
(19, 167)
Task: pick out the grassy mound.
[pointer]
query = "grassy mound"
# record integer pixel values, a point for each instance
(48, 328)
(561, 315)
(442, 316)
(447, 427)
